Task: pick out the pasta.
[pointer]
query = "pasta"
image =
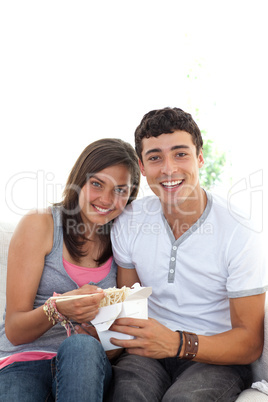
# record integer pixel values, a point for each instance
(114, 295)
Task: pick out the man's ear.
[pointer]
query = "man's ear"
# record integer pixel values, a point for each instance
(141, 167)
(201, 160)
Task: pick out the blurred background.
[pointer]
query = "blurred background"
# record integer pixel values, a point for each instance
(73, 72)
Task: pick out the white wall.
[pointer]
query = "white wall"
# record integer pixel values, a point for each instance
(72, 72)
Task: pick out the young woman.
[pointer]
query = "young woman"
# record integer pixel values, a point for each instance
(65, 250)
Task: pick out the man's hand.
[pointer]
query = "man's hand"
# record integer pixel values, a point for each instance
(152, 339)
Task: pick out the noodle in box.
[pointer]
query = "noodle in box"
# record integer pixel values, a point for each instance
(118, 303)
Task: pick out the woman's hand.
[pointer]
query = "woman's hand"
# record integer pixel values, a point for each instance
(83, 309)
(113, 354)
(87, 329)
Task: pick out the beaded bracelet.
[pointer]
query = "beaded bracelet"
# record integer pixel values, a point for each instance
(51, 311)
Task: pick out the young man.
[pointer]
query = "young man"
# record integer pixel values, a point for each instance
(206, 269)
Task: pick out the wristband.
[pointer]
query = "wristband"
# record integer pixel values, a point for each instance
(52, 313)
(181, 343)
(191, 346)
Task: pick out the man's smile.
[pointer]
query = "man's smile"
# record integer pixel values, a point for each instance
(171, 184)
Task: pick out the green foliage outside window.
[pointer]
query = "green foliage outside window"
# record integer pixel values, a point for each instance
(211, 172)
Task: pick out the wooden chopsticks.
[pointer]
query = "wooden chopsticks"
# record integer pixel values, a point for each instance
(74, 297)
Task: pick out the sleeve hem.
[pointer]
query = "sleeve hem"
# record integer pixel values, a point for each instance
(248, 292)
(124, 264)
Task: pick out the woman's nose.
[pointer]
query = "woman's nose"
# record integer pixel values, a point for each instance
(107, 198)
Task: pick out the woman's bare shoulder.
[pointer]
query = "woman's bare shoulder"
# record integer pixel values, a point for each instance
(37, 228)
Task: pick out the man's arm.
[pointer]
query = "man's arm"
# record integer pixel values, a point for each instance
(241, 345)
(126, 277)
(244, 343)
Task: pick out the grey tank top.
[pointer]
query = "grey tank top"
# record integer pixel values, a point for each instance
(54, 279)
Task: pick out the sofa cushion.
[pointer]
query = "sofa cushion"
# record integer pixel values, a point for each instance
(6, 231)
(252, 395)
(260, 367)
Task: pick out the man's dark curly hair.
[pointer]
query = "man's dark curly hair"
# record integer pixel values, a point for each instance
(166, 121)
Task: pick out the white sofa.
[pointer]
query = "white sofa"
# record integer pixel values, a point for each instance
(260, 367)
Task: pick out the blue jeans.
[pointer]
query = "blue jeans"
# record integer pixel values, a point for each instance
(80, 372)
(141, 379)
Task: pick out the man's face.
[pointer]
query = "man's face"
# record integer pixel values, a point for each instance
(171, 167)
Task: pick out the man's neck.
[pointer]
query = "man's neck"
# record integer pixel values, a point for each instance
(182, 216)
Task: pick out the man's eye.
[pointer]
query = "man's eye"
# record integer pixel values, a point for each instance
(153, 158)
(181, 154)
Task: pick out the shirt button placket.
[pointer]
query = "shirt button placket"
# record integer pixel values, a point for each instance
(172, 264)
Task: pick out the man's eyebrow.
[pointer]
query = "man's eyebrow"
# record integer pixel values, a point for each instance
(155, 150)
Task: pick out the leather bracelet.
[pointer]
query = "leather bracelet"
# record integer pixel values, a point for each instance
(181, 343)
(191, 346)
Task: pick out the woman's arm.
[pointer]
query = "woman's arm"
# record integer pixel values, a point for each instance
(31, 242)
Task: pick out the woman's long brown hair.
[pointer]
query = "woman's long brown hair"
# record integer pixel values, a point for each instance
(95, 157)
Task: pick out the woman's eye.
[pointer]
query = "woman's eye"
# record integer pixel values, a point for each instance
(120, 190)
(95, 184)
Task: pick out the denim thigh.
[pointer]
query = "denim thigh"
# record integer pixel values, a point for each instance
(141, 379)
(199, 382)
(26, 382)
(138, 379)
(82, 370)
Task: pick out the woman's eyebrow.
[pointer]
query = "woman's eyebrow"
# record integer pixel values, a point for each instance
(93, 176)
(102, 181)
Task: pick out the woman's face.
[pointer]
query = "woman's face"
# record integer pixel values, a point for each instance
(105, 195)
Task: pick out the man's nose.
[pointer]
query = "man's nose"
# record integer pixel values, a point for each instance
(169, 166)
